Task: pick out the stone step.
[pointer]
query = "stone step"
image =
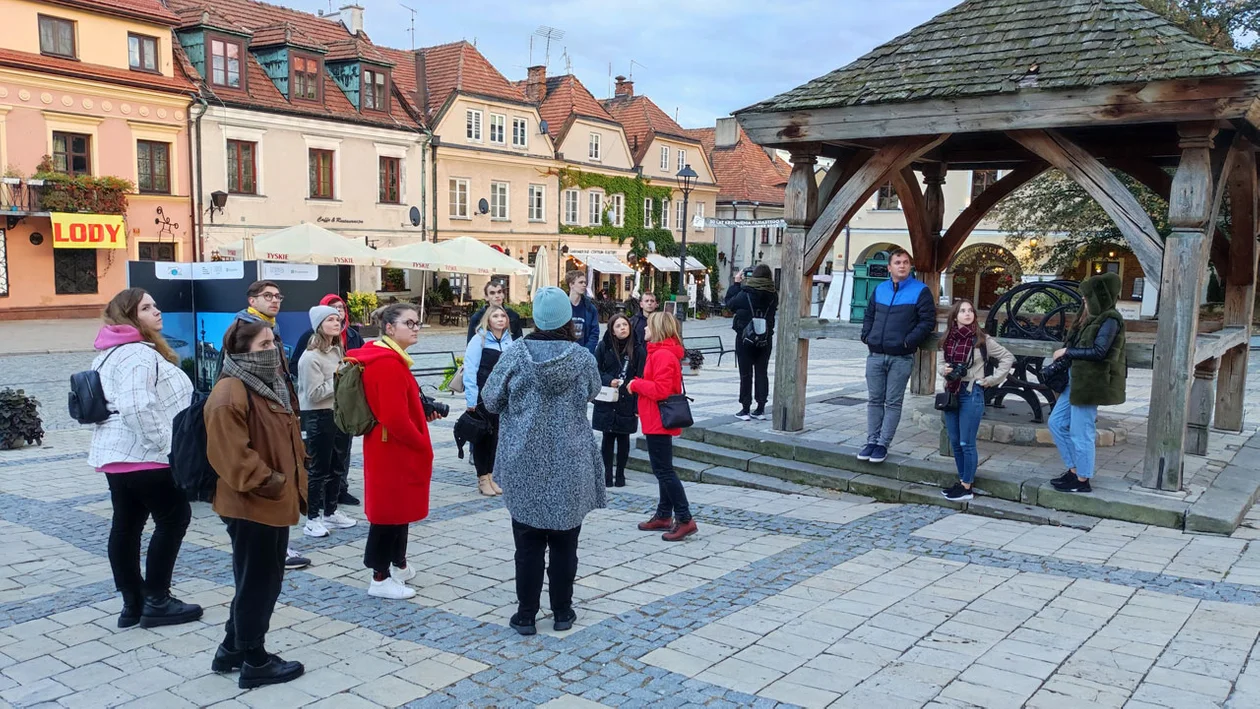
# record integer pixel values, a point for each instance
(688, 470)
(706, 453)
(741, 478)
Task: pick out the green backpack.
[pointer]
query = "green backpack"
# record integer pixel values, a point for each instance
(351, 412)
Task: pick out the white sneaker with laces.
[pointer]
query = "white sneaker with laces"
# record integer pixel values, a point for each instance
(402, 575)
(390, 588)
(337, 520)
(315, 528)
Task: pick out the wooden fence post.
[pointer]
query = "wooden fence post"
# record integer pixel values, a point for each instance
(791, 359)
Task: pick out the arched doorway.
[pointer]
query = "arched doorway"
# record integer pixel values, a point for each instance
(983, 272)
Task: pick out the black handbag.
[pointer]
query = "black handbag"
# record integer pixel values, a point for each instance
(1055, 375)
(676, 410)
(947, 401)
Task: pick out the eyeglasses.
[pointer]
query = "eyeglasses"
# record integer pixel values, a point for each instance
(272, 297)
(411, 324)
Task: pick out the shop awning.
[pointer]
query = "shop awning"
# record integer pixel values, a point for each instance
(604, 263)
(666, 263)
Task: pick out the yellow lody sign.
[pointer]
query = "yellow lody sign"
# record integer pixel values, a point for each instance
(88, 231)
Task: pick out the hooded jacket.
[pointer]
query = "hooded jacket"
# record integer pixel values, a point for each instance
(1096, 346)
(662, 378)
(548, 463)
(899, 317)
(350, 337)
(620, 416)
(397, 452)
(145, 391)
(744, 299)
(472, 361)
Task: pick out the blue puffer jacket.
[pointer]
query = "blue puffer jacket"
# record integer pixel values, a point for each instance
(899, 317)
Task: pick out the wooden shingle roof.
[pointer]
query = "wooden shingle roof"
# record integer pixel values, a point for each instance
(993, 47)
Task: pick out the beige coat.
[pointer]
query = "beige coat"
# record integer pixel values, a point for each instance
(1005, 360)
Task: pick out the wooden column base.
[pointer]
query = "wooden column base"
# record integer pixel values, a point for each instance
(1201, 402)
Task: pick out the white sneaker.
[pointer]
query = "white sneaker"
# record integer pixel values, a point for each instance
(337, 520)
(402, 575)
(315, 528)
(390, 588)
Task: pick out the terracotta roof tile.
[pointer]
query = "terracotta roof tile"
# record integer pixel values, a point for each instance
(253, 15)
(641, 118)
(744, 172)
(95, 72)
(566, 96)
(356, 48)
(284, 33)
(460, 67)
(148, 10)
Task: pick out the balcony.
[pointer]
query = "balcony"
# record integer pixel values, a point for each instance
(58, 192)
(21, 198)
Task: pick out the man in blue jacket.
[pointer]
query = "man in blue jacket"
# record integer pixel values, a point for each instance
(585, 315)
(900, 316)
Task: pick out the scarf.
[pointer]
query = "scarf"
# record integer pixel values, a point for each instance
(271, 322)
(959, 346)
(260, 371)
(386, 342)
(762, 284)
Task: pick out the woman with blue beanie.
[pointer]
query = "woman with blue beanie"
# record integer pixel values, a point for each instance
(548, 464)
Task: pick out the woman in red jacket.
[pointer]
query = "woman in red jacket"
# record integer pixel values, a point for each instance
(662, 378)
(397, 453)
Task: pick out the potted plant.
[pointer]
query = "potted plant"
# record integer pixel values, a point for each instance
(20, 424)
(361, 304)
(694, 360)
(12, 176)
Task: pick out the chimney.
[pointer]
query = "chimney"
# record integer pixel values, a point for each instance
(352, 18)
(726, 135)
(625, 87)
(536, 84)
(422, 84)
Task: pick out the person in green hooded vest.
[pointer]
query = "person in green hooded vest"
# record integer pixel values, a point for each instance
(1095, 347)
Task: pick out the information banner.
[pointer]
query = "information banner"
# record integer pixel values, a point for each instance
(88, 231)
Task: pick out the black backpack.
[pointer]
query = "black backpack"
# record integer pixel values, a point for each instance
(190, 466)
(87, 402)
(750, 334)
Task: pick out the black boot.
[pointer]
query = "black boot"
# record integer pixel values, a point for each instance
(274, 671)
(608, 477)
(523, 623)
(133, 606)
(620, 481)
(226, 660)
(167, 610)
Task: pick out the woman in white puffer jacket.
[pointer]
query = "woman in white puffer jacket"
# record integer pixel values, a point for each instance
(144, 389)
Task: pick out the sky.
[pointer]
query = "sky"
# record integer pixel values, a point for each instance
(700, 58)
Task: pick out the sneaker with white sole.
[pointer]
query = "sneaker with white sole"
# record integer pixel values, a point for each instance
(390, 588)
(294, 561)
(337, 520)
(402, 575)
(315, 528)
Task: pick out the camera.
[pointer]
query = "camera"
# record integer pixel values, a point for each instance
(956, 373)
(432, 406)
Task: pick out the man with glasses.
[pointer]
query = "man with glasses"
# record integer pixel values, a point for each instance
(494, 296)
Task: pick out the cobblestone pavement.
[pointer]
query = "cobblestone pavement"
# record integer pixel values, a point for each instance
(781, 600)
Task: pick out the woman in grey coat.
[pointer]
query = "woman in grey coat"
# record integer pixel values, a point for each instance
(548, 464)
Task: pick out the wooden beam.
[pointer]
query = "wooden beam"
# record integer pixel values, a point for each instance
(1190, 210)
(1158, 180)
(914, 209)
(791, 357)
(1240, 291)
(1199, 417)
(1106, 189)
(966, 221)
(841, 173)
(1128, 104)
(857, 189)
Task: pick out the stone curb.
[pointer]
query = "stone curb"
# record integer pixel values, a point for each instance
(1221, 508)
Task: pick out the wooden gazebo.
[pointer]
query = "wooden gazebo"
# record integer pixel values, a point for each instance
(1023, 85)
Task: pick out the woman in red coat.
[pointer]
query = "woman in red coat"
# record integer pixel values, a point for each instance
(662, 378)
(397, 453)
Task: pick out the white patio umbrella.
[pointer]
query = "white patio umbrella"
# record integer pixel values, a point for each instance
(465, 254)
(542, 271)
(417, 256)
(304, 243)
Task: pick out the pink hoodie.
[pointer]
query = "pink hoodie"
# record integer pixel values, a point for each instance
(112, 336)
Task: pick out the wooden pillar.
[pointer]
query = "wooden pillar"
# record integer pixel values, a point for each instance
(923, 379)
(1200, 414)
(791, 358)
(1190, 209)
(1240, 291)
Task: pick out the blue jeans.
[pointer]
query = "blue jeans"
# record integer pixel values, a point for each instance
(962, 425)
(886, 378)
(1075, 433)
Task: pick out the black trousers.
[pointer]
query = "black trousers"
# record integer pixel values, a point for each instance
(484, 451)
(341, 459)
(673, 497)
(323, 482)
(621, 443)
(531, 548)
(258, 552)
(754, 366)
(135, 496)
(386, 544)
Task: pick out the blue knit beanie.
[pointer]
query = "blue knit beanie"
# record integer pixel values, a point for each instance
(552, 308)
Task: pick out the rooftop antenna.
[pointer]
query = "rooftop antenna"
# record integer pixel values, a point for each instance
(547, 33)
(412, 29)
(610, 81)
(568, 61)
(633, 63)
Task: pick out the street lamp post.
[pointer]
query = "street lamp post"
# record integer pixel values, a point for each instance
(686, 182)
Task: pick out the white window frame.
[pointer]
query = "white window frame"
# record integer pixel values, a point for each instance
(572, 207)
(618, 210)
(523, 123)
(498, 122)
(682, 159)
(665, 214)
(595, 207)
(665, 158)
(593, 148)
(647, 212)
(537, 203)
(472, 125)
(454, 187)
(699, 213)
(500, 200)
(678, 215)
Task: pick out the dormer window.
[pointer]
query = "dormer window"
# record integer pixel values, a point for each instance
(305, 78)
(375, 90)
(225, 62)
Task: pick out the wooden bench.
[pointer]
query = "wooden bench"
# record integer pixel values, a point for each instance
(710, 344)
(431, 363)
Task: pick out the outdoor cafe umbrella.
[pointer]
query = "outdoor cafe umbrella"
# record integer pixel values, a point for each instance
(304, 243)
(417, 256)
(465, 254)
(542, 272)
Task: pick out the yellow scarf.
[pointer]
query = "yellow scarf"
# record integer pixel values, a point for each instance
(385, 341)
(271, 322)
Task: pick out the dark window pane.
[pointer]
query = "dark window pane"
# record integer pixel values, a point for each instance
(74, 271)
